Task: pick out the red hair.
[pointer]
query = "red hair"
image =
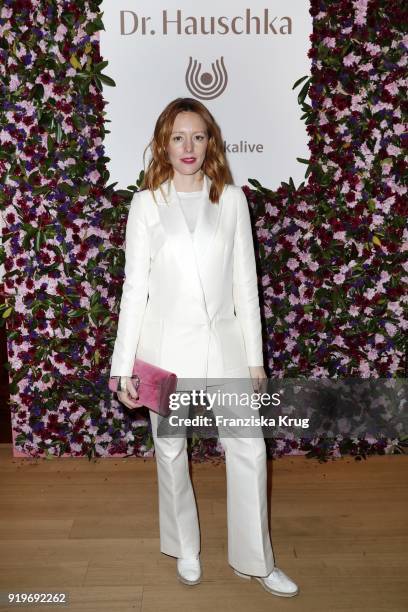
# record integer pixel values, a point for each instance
(215, 165)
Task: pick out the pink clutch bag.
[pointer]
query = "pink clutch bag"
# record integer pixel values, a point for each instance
(153, 384)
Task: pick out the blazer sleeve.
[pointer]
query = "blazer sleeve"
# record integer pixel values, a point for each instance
(245, 285)
(134, 291)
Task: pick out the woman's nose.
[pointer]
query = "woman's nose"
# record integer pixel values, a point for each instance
(189, 145)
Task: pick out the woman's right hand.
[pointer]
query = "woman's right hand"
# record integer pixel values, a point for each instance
(126, 396)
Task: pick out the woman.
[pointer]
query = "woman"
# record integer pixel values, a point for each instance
(190, 305)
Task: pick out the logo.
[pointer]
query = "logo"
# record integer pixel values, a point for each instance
(204, 85)
(179, 23)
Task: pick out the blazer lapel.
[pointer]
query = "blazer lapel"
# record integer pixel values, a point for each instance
(191, 250)
(207, 223)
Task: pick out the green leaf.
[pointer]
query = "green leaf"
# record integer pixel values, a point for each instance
(98, 23)
(140, 179)
(68, 189)
(38, 240)
(107, 80)
(299, 81)
(73, 60)
(41, 190)
(84, 189)
(123, 193)
(59, 133)
(50, 144)
(98, 83)
(95, 298)
(101, 65)
(78, 312)
(259, 187)
(77, 122)
(38, 91)
(68, 19)
(7, 312)
(303, 92)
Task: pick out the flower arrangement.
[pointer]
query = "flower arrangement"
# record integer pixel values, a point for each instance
(331, 253)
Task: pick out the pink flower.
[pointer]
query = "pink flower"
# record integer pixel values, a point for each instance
(290, 317)
(292, 263)
(329, 41)
(372, 49)
(393, 150)
(293, 300)
(392, 88)
(386, 204)
(350, 59)
(6, 13)
(263, 233)
(94, 176)
(14, 82)
(395, 308)
(272, 210)
(364, 369)
(399, 128)
(386, 168)
(377, 220)
(339, 278)
(5, 137)
(60, 33)
(391, 328)
(360, 7)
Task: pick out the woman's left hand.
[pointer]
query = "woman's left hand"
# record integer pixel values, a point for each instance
(259, 378)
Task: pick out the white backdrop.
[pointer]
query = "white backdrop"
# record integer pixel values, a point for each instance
(244, 59)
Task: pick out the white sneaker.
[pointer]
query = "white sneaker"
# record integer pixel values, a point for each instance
(189, 570)
(277, 583)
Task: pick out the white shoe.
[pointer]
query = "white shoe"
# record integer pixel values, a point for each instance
(277, 583)
(189, 570)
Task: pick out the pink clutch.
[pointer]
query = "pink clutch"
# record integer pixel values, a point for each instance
(153, 384)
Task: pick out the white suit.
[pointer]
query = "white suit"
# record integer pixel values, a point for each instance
(190, 305)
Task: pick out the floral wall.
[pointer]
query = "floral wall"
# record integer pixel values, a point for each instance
(332, 252)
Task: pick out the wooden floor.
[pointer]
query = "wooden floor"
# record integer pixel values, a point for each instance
(340, 530)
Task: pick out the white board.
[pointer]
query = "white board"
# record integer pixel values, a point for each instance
(240, 59)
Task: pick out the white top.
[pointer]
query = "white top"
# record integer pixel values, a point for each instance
(190, 203)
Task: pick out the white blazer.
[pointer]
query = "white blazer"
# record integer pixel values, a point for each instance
(189, 301)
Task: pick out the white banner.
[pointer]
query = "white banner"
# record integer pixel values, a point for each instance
(241, 60)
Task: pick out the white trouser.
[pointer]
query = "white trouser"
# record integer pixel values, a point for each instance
(249, 544)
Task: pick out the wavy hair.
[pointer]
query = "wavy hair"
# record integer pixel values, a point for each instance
(215, 165)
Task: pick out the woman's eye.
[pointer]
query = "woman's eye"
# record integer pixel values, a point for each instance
(199, 137)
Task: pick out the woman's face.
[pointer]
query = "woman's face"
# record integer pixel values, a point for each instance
(188, 143)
